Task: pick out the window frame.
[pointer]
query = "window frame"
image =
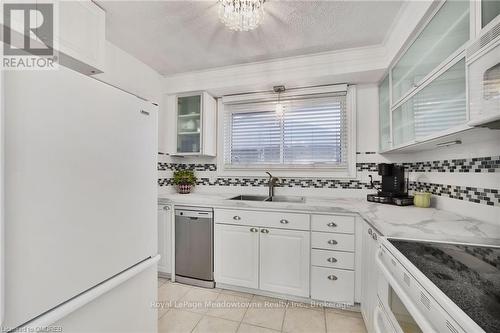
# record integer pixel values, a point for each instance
(320, 171)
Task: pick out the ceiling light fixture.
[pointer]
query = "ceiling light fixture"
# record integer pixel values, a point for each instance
(241, 15)
(280, 108)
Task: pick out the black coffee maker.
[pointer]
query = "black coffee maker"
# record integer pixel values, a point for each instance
(394, 188)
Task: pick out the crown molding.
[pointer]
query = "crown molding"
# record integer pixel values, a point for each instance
(307, 69)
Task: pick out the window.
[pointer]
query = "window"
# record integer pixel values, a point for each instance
(313, 132)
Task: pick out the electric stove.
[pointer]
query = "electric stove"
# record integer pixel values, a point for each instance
(469, 275)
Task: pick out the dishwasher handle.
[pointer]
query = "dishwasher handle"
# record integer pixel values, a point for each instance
(193, 214)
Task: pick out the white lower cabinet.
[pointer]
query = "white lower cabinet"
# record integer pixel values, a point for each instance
(333, 246)
(333, 241)
(333, 259)
(284, 261)
(304, 255)
(369, 298)
(237, 255)
(332, 285)
(165, 239)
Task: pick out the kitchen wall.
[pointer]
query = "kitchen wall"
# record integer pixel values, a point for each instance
(463, 178)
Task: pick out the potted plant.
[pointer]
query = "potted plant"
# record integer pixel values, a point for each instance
(185, 180)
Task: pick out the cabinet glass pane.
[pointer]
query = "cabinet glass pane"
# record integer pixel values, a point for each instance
(403, 129)
(188, 143)
(384, 115)
(188, 124)
(443, 35)
(439, 106)
(489, 10)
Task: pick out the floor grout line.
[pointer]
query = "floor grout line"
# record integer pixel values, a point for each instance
(252, 298)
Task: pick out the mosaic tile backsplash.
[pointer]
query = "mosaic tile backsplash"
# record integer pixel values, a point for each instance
(479, 164)
(472, 165)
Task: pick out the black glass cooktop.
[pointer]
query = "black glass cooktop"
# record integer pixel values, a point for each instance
(468, 275)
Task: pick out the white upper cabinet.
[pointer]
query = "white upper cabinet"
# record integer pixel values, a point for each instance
(445, 33)
(424, 96)
(79, 33)
(384, 107)
(82, 36)
(490, 9)
(196, 124)
(437, 107)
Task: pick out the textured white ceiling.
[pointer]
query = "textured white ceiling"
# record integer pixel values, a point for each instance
(181, 36)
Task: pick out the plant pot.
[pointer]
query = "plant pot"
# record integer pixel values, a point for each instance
(184, 188)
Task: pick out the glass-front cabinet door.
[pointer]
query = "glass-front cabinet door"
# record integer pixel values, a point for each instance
(384, 115)
(439, 106)
(445, 33)
(490, 9)
(189, 123)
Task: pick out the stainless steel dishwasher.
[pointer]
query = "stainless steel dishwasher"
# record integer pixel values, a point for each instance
(194, 246)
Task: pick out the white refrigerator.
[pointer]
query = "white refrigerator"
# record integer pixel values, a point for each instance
(79, 210)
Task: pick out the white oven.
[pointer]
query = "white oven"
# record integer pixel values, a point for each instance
(409, 302)
(400, 309)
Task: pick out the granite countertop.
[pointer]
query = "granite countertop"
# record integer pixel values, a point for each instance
(391, 221)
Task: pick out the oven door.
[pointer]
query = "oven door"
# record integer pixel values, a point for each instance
(381, 321)
(402, 311)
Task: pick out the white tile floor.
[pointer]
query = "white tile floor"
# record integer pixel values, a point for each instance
(190, 309)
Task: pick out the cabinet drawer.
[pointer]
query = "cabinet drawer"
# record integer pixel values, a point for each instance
(334, 259)
(262, 219)
(331, 241)
(332, 285)
(333, 223)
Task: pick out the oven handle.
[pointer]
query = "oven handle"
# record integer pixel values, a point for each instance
(423, 323)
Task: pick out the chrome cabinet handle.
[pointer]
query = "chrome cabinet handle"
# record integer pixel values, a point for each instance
(332, 260)
(254, 229)
(264, 231)
(374, 236)
(332, 242)
(236, 218)
(283, 221)
(332, 224)
(370, 231)
(332, 277)
(166, 208)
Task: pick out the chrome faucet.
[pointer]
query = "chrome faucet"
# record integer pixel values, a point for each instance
(271, 184)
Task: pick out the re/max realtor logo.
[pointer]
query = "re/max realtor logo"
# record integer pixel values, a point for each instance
(28, 36)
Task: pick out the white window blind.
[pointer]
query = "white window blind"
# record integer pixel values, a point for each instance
(312, 132)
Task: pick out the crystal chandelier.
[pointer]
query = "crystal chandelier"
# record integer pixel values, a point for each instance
(241, 15)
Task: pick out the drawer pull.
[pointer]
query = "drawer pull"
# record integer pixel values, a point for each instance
(332, 242)
(332, 277)
(332, 224)
(264, 231)
(236, 218)
(332, 260)
(254, 229)
(369, 231)
(283, 221)
(374, 236)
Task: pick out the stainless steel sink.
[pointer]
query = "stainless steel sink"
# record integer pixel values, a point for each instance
(284, 198)
(250, 197)
(276, 198)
